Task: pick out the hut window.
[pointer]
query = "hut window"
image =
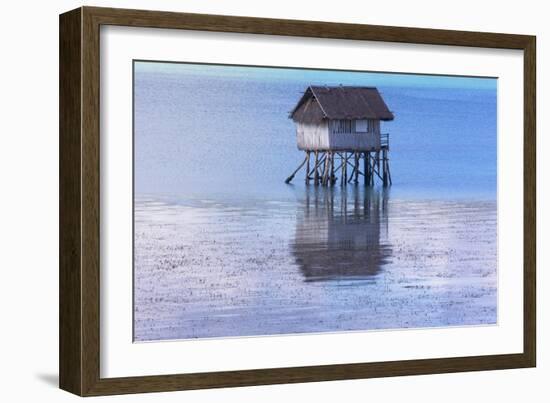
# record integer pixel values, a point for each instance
(361, 126)
(342, 126)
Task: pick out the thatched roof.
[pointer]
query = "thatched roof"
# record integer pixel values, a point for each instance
(340, 102)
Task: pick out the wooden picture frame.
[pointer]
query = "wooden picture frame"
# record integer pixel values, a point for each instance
(79, 348)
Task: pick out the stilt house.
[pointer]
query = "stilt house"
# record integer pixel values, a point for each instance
(342, 123)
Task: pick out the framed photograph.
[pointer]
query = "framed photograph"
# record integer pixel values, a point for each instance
(248, 201)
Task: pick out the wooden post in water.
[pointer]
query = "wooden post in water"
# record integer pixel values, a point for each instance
(384, 167)
(332, 176)
(365, 169)
(316, 176)
(371, 164)
(389, 172)
(322, 163)
(326, 170)
(342, 168)
(307, 167)
(356, 180)
(289, 179)
(345, 169)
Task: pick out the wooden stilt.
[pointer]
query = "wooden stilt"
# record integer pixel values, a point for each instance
(352, 173)
(316, 177)
(371, 170)
(307, 167)
(326, 170)
(365, 169)
(384, 168)
(389, 172)
(332, 176)
(371, 164)
(294, 173)
(322, 166)
(345, 169)
(356, 169)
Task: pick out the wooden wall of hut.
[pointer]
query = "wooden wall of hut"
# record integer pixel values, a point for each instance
(327, 135)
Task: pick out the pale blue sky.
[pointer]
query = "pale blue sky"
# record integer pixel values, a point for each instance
(325, 77)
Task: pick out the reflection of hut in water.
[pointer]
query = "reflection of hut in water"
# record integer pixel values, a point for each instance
(341, 234)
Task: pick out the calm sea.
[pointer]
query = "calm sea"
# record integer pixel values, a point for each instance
(204, 135)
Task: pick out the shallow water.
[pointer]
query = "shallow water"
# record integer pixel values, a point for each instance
(331, 260)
